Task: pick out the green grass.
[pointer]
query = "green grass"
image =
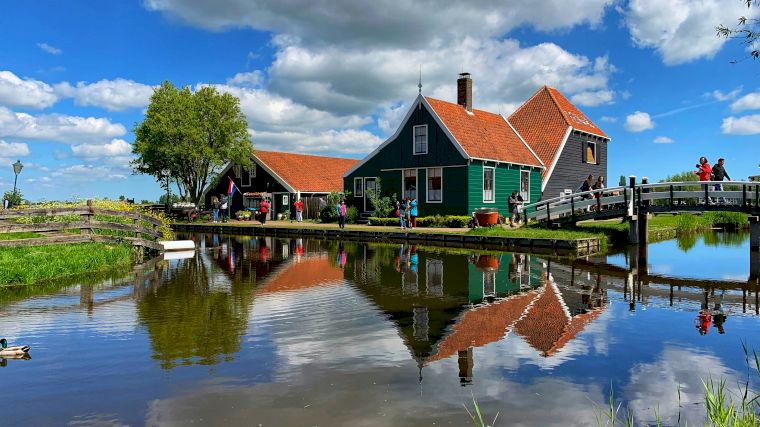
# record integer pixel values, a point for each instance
(535, 233)
(20, 235)
(28, 265)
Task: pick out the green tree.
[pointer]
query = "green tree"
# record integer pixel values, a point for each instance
(383, 205)
(15, 199)
(190, 136)
(747, 31)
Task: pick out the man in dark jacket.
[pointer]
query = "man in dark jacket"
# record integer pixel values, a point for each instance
(718, 174)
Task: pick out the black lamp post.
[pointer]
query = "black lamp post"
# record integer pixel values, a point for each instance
(17, 170)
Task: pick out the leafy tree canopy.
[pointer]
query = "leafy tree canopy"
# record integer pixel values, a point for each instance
(190, 136)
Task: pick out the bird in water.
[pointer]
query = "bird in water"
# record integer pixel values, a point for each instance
(12, 351)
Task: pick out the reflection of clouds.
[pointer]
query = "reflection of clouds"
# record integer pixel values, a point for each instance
(661, 268)
(737, 277)
(307, 328)
(654, 386)
(379, 396)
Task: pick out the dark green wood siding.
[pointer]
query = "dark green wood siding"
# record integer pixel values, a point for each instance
(507, 180)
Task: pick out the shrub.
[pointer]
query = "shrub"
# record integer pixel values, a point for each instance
(351, 215)
(436, 221)
(328, 214)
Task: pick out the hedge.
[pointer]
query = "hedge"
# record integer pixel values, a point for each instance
(436, 221)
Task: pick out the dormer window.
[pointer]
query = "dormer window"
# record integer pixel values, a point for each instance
(420, 139)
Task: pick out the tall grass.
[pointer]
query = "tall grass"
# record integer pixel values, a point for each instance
(27, 265)
(477, 417)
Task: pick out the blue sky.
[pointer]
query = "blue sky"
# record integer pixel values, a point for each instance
(335, 78)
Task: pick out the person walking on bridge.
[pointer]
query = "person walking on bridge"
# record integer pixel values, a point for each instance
(704, 171)
(718, 174)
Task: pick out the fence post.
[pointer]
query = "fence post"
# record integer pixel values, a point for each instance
(87, 218)
(644, 181)
(744, 196)
(707, 195)
(757, 195)
(572, 208)
(632, 183)
(136, 222)
(672, 202)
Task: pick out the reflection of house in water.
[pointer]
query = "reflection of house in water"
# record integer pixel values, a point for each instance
(445, 305)
(301, 273)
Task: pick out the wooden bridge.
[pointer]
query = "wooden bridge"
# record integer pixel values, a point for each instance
(636, 201)
(138, 229)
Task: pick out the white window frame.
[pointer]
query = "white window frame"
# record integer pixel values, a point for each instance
(251, 171)
(427, 186)
(493, 184)
(416, 183)
(414, 140)
(428, 284)
(356, 194)
(492, 276)
(596, 153)
(526, 199)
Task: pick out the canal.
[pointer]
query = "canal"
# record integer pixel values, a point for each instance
(296, 332)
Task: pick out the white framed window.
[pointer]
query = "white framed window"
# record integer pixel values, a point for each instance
(525, 185)
(410, 183)
(358, 187)
(420, 139)
(489, 193)
(434, 277)
(434, 192)
(489, 283)
(250, 172)
(590, 154)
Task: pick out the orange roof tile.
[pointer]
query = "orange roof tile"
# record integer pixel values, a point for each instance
(301, 274)
(483, 325)
(543, 120)
(483, 135)
(307, 173)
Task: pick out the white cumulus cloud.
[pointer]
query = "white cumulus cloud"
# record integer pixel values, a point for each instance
(112, 95)
(750, 101)
(329, 142)
(58, 127)
(682, 30)
(117, 147)
(593, 98)
(639, 121)
(663, 140)
(13, 149)
(747, 125)
(30, 93)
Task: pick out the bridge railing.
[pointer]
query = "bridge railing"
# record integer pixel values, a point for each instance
(661, 196)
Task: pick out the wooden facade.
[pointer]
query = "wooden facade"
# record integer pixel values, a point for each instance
(573, 164)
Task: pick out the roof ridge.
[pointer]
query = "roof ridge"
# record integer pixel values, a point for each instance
(556, 104)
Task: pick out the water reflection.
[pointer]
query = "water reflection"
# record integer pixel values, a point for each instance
(283, 331)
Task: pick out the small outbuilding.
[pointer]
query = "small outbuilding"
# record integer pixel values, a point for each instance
(282, 178)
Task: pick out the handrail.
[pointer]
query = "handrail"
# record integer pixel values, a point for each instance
(567, 197)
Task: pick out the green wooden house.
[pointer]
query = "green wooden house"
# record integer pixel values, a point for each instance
(451, 157)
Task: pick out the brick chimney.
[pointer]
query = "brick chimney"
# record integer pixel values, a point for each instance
(464, 91)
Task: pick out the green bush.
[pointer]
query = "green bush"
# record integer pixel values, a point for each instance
(436, 221)
(737, 219)
(351, 215)
(328, 214)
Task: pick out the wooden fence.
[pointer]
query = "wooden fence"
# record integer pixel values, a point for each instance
(55, 231)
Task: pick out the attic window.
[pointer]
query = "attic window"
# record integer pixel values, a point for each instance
(420, 139)
(589, 153)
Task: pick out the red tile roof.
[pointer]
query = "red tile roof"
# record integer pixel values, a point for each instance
(483, 135)
(307, 173)
(483, 325)
(543, 120)
(302, 274)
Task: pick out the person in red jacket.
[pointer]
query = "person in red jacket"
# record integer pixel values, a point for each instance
(704, 171)
(263, 211)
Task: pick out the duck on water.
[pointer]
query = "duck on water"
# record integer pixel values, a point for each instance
(13, 351)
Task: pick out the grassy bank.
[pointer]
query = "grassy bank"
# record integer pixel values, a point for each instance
(27, 265)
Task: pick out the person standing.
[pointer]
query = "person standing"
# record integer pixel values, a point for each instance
(6, 203)
(719, 174)
(512, 204)
(299, 210)
(408, 210)
(224, 206)
(598, 185)
(413, 213)
(342, 214)
(704, 171)
(401, 212)
(215, 208)
(263, 211)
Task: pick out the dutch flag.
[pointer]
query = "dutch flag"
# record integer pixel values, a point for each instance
(231, 188)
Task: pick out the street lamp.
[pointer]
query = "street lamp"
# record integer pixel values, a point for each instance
(17, 170)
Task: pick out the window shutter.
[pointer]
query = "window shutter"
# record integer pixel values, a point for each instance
(585, 151)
